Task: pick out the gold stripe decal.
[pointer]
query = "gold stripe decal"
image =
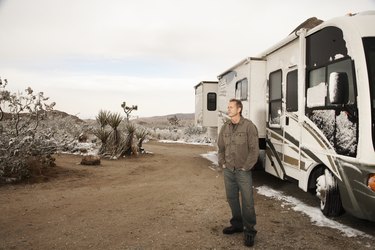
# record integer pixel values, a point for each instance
(323, 144)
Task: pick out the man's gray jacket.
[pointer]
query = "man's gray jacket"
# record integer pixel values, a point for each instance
(238, 145)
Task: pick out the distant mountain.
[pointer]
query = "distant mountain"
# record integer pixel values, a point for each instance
(53, 114)
(185, 118)
(181, 116)
(57, 114)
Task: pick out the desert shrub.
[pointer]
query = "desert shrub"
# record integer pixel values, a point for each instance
(195, 130)
(170, 133)
(24, 147)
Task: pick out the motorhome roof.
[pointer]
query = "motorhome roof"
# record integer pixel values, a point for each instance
(243, 61)
(309, 30)
(201, 83)
(294, 35)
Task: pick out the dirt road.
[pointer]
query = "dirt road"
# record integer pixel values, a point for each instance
(169, 199)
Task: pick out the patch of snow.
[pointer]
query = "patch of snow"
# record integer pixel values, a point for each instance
(170, 141)
(316, 95)
(338, 56)
(316, 216)
(186, 142)
(211, 156)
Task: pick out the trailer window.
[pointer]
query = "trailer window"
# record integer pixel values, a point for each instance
(292, 91)
(241, 89)
(211, 101)
(275, 95)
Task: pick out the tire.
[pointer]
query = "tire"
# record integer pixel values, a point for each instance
(327, 191)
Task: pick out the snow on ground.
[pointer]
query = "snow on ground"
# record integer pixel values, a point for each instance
(184, 142)
(316, 216)
(211, 156)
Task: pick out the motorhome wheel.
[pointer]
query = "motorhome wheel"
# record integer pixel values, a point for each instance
(328, 192)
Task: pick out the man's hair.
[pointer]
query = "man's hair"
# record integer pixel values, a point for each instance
(238, 104)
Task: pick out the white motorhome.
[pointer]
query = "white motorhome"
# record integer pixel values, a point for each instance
(312, 98)
(206, 111)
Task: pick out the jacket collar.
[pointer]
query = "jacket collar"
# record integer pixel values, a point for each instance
(240, 122)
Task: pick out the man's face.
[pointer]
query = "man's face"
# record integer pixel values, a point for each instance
(233, 110)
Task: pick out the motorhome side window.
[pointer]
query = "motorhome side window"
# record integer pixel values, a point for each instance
(211, 101)
(331, 89)
(241, 89)
(331, 85)
(275, 79)
(292, 91)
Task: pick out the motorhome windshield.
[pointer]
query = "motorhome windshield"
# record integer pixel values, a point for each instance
(369, 46)
(331, 89)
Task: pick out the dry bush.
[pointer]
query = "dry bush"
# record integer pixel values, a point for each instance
(24, 148)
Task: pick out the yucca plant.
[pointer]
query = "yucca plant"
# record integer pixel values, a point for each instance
(103, 136)
(131, 128)
(114, 120)
(141, 136)
(126, 146)
(102, 118)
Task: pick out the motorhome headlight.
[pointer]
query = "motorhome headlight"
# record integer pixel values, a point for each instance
(371, 182)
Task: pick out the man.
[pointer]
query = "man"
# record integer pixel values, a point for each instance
(238, 153)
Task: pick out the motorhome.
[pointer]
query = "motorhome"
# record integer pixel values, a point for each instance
(312, 98)
(206, 111)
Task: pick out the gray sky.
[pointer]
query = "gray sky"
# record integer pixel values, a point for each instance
(88, 55)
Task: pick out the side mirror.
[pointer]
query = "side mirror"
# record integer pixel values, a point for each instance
(338, 88)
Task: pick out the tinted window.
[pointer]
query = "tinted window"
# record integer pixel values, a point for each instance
(292, 91)
(241, 89)
(275, 80)
(324, 46)
(211, 101)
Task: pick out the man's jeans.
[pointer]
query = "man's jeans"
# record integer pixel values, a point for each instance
(240, 181)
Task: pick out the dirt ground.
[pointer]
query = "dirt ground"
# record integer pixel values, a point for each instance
(169, 199)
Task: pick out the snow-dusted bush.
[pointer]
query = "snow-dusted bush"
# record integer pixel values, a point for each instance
(172, 134)
(192, 130)
(24, 148)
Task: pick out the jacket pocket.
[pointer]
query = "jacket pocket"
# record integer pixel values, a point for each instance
(240, 138)
(227, 138)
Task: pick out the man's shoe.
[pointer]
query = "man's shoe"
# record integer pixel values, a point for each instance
(232, 230)
(249, 240)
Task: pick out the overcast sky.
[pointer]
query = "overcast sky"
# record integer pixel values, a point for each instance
(88, 55)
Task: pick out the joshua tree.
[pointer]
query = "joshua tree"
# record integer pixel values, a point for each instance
(128, 109)
(174, 121)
